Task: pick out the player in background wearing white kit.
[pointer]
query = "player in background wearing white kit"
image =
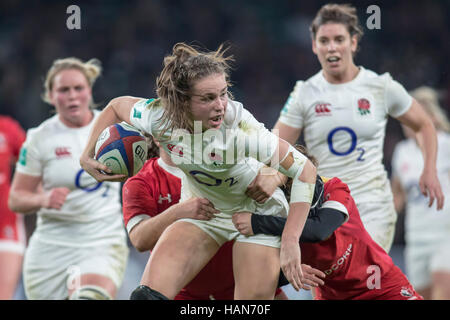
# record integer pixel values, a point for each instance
(427, 231)
(78, 249)
(343, 112)
(193, 92)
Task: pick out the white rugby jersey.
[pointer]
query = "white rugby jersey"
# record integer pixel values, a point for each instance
(421, 222)
(219, 170)
(92, 211)
(344, 127)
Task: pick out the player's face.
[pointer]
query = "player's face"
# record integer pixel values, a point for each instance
(71, 96)
(334, 48)
(209, 100)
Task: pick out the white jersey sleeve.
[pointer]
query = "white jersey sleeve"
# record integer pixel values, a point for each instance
(292, 112)
(261, 144)
(145, 115)
(397, 99)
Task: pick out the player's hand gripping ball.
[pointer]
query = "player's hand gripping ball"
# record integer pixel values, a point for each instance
(122, 148)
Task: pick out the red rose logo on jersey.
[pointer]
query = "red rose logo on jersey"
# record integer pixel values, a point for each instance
(216, 159)
(322, 109)
(363, 106)
(175, 149)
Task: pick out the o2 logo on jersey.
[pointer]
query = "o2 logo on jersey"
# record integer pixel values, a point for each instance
(85, 183)
(353, 142)
(210, 181)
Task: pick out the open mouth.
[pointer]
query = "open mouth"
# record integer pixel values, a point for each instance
(333, 60)
(73, 107)
(217, 120)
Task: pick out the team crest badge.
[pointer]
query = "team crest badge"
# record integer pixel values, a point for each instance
(216, 159)
(175, 149)
(363, 106)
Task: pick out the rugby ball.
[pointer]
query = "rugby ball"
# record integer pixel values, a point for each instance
(122, 148)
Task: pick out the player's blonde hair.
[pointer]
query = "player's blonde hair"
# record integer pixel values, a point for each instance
(429, 99)
(338, 13)
(91, 69)
(181, 70)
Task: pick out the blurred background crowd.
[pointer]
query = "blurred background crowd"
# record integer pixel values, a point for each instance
(269, 39)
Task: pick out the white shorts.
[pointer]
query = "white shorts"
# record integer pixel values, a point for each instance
(222, 229)
(423, 259)
(379, 219)
(50, 270)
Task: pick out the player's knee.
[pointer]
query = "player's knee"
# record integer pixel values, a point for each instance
(143, 292)
(90, 293)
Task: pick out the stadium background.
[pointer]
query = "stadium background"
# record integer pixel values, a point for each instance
(269, 39)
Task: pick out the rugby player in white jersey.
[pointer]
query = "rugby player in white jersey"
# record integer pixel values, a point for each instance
(78, 249)
(343, 112)
(193, 90)
(427, 231)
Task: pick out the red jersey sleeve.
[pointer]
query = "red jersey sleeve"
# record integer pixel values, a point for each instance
(337, 196)
(137, 201)
(15, 135)
(17, 139)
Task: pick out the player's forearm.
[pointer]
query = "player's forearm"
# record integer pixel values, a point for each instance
(427, 140)
(298, 212)
(107, 117)
(317, 228)
(25, 202)
(398, 193)
(145, 235)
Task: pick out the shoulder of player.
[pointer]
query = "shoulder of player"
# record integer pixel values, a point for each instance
(143, 103)
(127, 100)
(331, 184)
(374, 79)
(8, 121)
(45, 129)
(146, 174)
(310, 83)
(10, 126)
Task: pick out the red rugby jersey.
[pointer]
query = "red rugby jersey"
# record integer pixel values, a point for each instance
(349, 257)
(152, 191)
(11, 138)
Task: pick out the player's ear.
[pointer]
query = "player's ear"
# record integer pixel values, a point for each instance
(354, 43)
(313, 44)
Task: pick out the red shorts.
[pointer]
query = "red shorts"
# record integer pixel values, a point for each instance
(393, 286)
(12, 231)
